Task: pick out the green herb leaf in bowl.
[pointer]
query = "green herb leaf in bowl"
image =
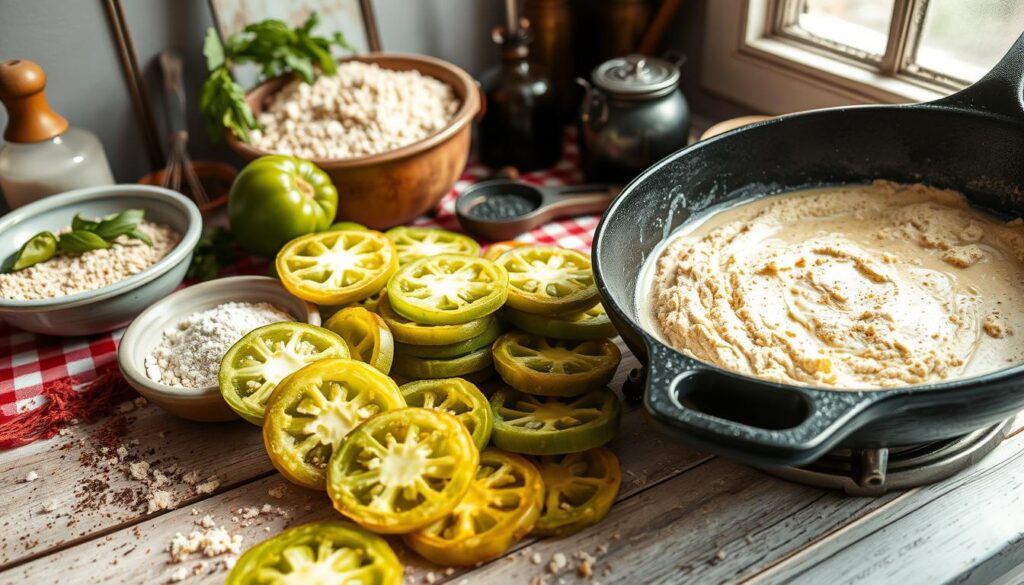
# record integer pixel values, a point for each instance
(118, 225)
(79, 241)
(40, 248)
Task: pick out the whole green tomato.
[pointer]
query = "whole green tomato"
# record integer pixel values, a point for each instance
(278, 198)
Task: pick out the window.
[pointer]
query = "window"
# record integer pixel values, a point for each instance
(787, 55)
(949, 43)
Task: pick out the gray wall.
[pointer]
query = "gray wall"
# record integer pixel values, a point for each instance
(72, 41)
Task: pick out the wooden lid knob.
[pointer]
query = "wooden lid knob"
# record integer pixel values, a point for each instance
(30, 118)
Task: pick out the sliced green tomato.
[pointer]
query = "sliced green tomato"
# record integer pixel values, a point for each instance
(402, 470)
(500, 508)
(406, 331)
(554, 368)
(539, 425)
(368, 337)
(448, 289)
(336, 268)
(457, 397)
(312, 410)
(369, 303)
(592, 323)
(548, 280)
(346, 226)
(414, 243)
(319, 553)
(258, 362)
(498, 248)
(425, 368)
(453, 350)
(579, 489)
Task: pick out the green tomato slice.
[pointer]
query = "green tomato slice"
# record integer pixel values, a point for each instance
(579, 490)
(457, 397)
(449, 289)
(311, 411)
(554, 368)
(414, 243)
(540, 425)
(453, 350)
(592, 323)
(411, 332)
(416, 368)
(319, 553)
(548, 280)
(346, 226)
(258, 362)
(402, 470)
(368, 337)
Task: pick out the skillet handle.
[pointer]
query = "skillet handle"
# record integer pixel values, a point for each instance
(753, 421)
(1000, 91)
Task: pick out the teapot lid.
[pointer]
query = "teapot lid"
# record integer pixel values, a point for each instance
(636, 76)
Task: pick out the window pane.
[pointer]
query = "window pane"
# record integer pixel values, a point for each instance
(860, 24)
(965, 39)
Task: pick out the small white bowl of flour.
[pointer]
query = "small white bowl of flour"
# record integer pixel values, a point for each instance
(171, 352)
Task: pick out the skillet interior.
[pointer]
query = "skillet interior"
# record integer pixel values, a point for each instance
(943, 145)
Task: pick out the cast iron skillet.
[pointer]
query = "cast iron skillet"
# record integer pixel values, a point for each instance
(972, 141)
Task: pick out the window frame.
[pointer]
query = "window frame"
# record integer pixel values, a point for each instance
(753, 56)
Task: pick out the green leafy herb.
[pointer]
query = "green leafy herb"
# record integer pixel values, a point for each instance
(119, 224)
(278, 50)
(40, 248)
(80, 223)
(214, 251)
(85, 235)
(78, 241)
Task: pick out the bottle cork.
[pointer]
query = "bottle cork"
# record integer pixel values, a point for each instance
(30, 118)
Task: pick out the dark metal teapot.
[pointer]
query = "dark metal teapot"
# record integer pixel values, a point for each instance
(633, 115)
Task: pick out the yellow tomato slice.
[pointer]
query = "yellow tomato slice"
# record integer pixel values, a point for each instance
(312, 410)
(500, 508)
(337, 268)
(548, 280)
(368, 337)
(319, 553)
(554, 368)
(579, 490)
(414, 243)
(402, 470)
(498, 248)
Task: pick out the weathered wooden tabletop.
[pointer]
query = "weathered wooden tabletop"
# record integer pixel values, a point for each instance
(681, 516)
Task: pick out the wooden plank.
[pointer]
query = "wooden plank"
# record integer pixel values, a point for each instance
(966, 529)
(89, 497)
(647, 459)
(715, 523)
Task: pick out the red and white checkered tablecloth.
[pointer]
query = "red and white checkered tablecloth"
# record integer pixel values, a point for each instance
(28, 362)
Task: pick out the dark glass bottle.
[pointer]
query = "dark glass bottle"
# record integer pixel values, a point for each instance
(522, 127)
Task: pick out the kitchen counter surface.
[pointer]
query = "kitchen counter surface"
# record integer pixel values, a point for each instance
(681, 516)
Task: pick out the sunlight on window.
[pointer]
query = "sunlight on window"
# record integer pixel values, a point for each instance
(860, 24)
(965, 39)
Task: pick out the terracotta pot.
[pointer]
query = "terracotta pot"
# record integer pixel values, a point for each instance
(393, 187)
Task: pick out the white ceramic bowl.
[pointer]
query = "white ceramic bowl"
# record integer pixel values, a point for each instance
(112, 306)
(146, 331)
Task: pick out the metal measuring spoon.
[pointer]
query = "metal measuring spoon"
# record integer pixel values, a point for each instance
(502, 209)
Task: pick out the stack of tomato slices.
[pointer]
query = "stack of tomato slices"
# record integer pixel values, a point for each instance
(461, 477)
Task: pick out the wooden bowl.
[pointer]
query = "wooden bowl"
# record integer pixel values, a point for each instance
(393, 187)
